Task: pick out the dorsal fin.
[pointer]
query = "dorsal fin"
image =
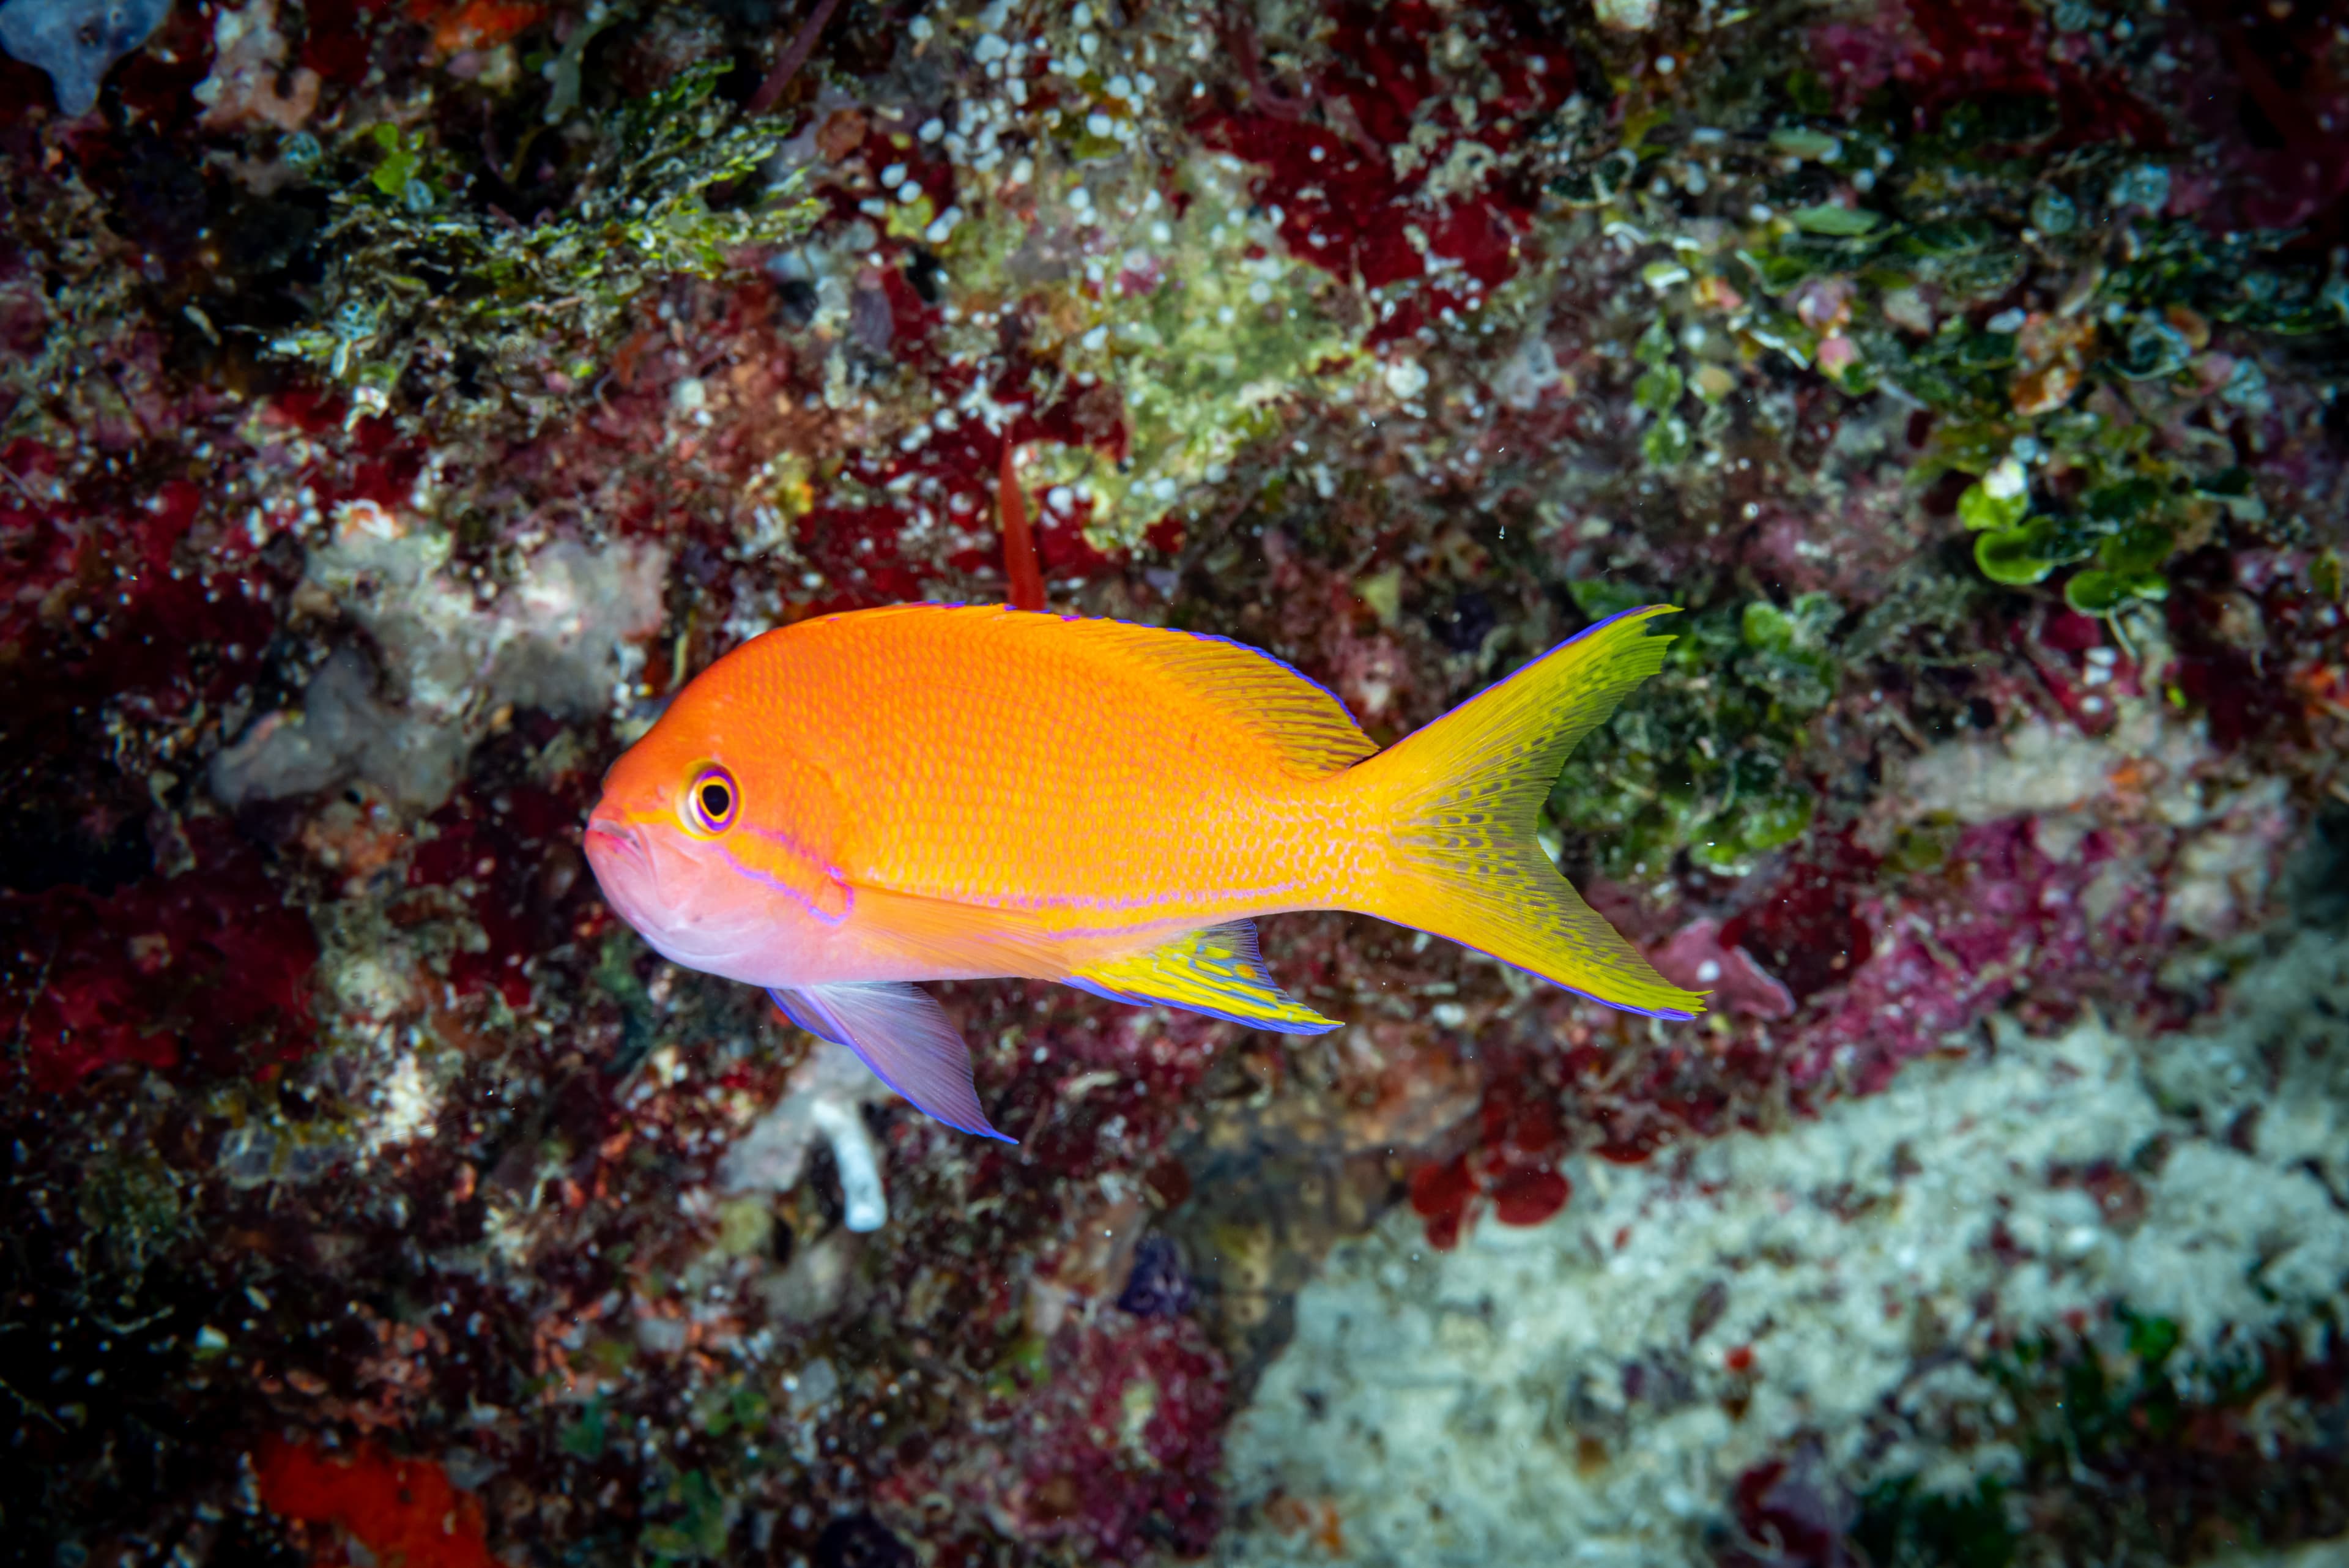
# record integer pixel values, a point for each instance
(1217, 971)
(1301, 721)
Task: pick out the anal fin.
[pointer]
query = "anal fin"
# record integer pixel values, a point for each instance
(1217, 971)
(905, 1037)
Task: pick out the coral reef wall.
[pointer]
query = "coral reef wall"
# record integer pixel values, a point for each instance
(401, 399)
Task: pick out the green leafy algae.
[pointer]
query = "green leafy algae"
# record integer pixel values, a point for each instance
(1702, 763)
(2101, 1430)
(698, 1531)
(2042, 306)
(585, 1437)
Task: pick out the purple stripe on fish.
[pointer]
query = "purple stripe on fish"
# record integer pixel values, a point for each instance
(1075, 901)
(848, 893)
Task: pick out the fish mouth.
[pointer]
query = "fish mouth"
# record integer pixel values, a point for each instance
(624, 868)
(616, 838)
(664, 897)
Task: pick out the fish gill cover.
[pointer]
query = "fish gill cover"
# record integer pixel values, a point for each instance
(403, 398)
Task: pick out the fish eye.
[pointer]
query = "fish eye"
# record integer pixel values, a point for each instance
(711, 801)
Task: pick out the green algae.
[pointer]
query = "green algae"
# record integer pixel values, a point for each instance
(424, 291)
(2081, 389)
(698, 1531)
(2037, 305)
(584, 1435)
(2100, 1431)
(723, 1409)
(1902, 1526)
(1702, 763)
(1204, 355)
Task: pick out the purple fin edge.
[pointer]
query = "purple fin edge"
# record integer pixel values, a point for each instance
(1596, 626)
(1593, 629)
(1674, 1013)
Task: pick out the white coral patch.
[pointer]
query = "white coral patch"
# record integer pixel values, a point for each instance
(1558, 1394)
(561, 636)
(410, 1105)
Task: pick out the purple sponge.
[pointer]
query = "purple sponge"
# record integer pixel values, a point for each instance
(78, 41)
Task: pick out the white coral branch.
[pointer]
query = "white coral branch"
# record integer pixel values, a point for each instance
(824, 1098)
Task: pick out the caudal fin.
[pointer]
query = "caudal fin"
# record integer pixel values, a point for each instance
(1462, 799)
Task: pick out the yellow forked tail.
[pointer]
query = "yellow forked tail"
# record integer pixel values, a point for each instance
(1462, 799)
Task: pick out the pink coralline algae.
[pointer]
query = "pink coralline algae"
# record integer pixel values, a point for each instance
(2012, 917)
(1698, 957)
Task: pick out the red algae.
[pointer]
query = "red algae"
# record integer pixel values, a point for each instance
(404, 1512)
(1945, 55)
(209, 969)
(1512, 1165)
(97, 594)
(1343, 205)
(512, 860)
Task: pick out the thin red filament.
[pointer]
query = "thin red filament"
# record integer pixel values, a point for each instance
(1020, 568)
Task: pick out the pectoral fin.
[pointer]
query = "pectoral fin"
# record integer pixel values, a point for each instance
(1217, 971)
(904, 1036)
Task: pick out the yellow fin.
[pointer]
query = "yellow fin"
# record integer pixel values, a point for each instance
(1217, 971)
(1462, 798)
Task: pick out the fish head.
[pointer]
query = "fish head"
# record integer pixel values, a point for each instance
(692, 844)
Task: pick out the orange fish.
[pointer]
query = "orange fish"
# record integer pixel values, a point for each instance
(840, 808)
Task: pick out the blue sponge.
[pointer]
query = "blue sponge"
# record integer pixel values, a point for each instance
(78, 41)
